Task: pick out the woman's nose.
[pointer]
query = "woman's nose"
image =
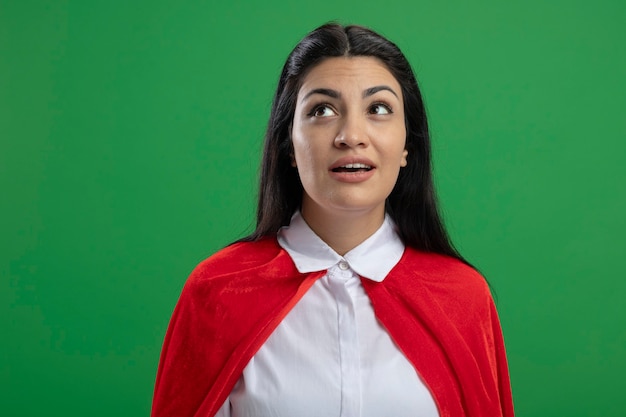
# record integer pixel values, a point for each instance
(352, 133)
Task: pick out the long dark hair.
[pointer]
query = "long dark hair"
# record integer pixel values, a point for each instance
(412, 203)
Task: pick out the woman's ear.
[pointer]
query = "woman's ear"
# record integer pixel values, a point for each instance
(292, 157)
(403, 161)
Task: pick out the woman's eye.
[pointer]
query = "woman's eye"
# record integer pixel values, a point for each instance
(380, 108)
(323, 111)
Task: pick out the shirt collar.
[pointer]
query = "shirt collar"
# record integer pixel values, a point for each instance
(372, 259)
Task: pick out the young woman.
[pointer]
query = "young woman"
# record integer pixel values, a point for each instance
(349, 298)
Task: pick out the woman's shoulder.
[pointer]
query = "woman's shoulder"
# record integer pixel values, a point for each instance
(438, 263)
(237, 257)
(443, 286)
(443, 273)
(239, 270)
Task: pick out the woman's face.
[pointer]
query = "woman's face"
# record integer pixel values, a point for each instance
(348, 136)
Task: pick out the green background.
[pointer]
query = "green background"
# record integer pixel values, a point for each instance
(130, 134)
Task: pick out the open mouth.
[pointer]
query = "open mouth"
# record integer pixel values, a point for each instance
(352, 168)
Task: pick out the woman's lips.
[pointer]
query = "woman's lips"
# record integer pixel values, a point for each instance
(347, 161)
(357, 176)
(352, 169)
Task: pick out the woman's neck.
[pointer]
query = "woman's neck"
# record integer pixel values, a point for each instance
(344, 230)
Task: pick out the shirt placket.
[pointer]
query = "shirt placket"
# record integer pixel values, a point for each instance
(349, 358)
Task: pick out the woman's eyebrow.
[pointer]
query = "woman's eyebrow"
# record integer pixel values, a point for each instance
(336, 94)
(323, 91)
(373, 90)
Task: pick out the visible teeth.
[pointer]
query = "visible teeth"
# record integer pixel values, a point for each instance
(354, 166)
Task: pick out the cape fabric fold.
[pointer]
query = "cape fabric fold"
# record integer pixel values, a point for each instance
(437, 310)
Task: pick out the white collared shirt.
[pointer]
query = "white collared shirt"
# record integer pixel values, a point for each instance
(330, 356)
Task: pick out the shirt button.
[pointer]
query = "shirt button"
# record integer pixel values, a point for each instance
(343, 265)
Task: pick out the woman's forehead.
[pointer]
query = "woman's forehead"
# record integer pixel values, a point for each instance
(348, 72)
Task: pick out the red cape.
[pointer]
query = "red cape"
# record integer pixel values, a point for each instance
(438, 311)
